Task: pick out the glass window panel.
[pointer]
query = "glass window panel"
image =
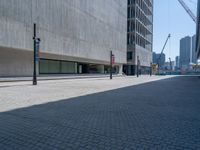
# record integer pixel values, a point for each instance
(43, 66)
(54, 66)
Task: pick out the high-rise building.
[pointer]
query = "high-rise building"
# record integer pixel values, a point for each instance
(188, 53)
(194, 53)
(185, 52)
(76, 35)
(139, 36)
(198, 31)
(177, 65)
(159, 59)
(155, 59)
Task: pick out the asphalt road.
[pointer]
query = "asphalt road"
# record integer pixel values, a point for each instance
(163, 114)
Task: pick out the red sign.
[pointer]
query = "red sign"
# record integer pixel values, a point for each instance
(113, 59)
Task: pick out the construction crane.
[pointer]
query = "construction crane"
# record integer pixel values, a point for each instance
(187, 9)
(159, 59)
(191, 14)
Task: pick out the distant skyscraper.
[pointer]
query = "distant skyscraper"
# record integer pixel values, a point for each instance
(159, 59)
(177, 62)
(194, 53)
(185, 52)
(198, 30)
(154, 58)
(188, 52)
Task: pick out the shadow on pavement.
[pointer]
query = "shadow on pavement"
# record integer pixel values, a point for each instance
(163, 114)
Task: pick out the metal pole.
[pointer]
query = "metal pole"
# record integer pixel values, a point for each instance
(137, 66)
(111, 69)
(151, 69)
(34, 56)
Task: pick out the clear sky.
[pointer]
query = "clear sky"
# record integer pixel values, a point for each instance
(170, 17)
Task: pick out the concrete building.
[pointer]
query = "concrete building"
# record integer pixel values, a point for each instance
(76, 36)
(154, 57)
(167, 66)
(188, 55)
(177, 64)
(173, 65)
(193, 53)
(170, 66)
(185, 52)
(198, 31)
(139, 36)
(159, 59)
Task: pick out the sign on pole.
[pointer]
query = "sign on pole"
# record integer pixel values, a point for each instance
(37, 51)
(113, 59)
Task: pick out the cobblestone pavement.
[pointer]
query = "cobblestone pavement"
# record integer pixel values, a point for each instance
(15, 95)
(164, 114)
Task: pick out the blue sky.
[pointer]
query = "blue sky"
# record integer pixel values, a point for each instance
(170, 17)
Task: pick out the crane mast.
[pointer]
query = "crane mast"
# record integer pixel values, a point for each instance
(159, 59)
(168, 37)
(187, 9)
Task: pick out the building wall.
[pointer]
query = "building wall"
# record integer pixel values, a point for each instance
(194, 54)
(83, 30)
(185, 50)
(15, 62)
(177, 62)
(159, 58)
(140, 32)
(154, 58)
(198, 31)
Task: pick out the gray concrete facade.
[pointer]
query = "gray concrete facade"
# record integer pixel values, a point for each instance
(177, 62)
(194, 53)
(74, 30)
(140, 34)
(198, 30)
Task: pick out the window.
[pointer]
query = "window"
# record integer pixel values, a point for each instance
(48, 66)
(129, 55)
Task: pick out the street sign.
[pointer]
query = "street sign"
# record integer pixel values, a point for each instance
(113, 59)
(37, 57)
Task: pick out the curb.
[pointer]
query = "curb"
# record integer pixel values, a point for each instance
(61, 78)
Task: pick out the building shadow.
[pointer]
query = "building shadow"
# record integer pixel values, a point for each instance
(160, 114)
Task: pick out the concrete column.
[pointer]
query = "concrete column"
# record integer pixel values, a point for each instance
(100, 68)
(120, 69)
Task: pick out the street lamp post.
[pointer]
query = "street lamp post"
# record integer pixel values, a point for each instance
(137, 66)
(111, 68)
(36, 42)
(151, 69)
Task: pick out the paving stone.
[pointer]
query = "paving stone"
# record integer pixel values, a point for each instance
(162, 114)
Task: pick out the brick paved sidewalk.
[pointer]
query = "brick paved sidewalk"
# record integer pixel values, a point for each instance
(163, 114)
(15, 95)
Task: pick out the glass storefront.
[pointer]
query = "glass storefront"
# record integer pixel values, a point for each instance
(68, 67)
(48, 66)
